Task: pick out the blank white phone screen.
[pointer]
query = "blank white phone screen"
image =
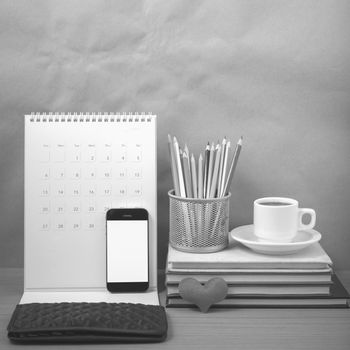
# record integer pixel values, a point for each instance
(127, 251)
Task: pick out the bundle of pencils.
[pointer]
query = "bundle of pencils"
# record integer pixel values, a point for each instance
(210, 177)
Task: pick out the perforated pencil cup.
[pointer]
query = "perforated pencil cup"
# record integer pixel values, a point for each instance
(198, 225)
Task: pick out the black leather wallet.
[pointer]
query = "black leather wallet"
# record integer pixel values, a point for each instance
(87, 322)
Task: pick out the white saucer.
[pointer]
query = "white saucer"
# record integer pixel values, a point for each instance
(245, 235)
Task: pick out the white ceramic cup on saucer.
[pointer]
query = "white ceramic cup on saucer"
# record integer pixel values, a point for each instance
(278, 219)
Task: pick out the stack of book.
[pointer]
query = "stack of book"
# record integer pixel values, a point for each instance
(303, 279)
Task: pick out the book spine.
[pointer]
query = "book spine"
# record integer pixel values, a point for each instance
(257, 282)
(223, 266)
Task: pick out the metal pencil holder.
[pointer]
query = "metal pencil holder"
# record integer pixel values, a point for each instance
(199, 225)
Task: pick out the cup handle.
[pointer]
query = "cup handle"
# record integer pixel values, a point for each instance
(311, 224)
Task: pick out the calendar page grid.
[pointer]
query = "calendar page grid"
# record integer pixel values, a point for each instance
(86, 181)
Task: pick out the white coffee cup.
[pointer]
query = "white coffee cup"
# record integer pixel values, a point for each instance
(278, 219)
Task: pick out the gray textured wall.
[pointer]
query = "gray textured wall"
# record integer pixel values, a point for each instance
(276, 72)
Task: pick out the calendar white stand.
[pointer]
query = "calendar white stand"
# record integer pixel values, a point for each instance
(77, 166)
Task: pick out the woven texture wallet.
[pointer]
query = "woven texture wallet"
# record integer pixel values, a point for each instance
(87, 322)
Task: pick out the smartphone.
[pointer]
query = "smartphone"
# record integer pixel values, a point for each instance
(127, 250)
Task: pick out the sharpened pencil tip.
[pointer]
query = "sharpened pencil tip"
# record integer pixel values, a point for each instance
(186, 150)
(240, 141)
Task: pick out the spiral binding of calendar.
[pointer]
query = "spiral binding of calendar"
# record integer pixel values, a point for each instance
(91, 117)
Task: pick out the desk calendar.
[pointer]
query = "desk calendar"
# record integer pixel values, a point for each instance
(78, 166)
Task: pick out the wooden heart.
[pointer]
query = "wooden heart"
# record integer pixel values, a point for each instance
(212, 292)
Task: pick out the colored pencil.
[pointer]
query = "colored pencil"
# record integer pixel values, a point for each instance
(221, 164)
(215, 173)
(173, 167)
(210, 169)
(179, 169)
(224, 169)
(194, 177)
(187, 175)
(233, 166)
(206, 168)
(200, 176)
